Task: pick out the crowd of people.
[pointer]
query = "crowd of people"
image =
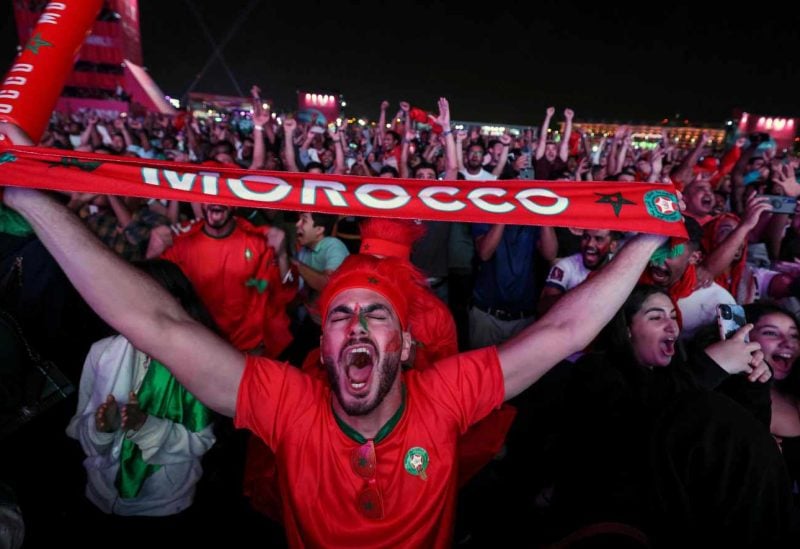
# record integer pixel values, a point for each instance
(385, 366)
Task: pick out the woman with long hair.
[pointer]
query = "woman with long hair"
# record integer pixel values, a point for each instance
(649, 440)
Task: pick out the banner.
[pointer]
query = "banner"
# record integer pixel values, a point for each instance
(30, 89)
(639, 207)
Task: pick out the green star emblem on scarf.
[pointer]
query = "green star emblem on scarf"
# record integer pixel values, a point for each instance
(7, 157)
(36, 42)
(70, 162)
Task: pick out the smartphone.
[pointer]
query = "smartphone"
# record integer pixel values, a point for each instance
(782, 204)
(730, 318)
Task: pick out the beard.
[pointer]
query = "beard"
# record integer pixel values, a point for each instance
(217, 216)
(386, 372)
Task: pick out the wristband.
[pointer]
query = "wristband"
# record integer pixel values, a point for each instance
(447, 132)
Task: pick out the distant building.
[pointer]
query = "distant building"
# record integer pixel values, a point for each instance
(108, 76)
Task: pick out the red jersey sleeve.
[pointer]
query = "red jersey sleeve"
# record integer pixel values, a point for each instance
(275, 396)
(467, 385)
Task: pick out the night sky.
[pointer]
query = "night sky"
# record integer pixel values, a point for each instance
(504, 63)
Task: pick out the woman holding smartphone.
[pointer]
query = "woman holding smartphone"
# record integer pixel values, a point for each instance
(779, 335)
(650, 441)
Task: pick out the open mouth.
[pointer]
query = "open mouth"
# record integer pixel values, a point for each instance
(668, 346)
(707, 202)
(358, 360)
(216, 214)
(782, 362)
(660, 275)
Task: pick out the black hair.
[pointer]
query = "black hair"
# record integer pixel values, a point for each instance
(396, 136)
(326, 221)
(223, 147)
(389, 169)
(754, 312)
(171, 277)
(424, 165)
(311, 165)
(476, 144)
(694, 231)
(561, 174)
(615, 336)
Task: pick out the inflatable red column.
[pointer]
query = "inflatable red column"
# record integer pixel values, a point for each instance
(31, 88)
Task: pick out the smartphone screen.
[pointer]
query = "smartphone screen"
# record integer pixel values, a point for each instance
(782, 204)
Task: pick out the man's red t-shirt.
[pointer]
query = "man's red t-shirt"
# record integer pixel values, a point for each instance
(292, 413)
(234, 276)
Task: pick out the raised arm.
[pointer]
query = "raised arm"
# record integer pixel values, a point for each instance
(450, 154)
(408, 136)
(173, 211)
(486, 244)
(505, 140)
(683, 175)
(613, 147)
(124, 216)
(289, 126)
(461, 136)
(119, 124)
(540, 146)
(563, 148)
(567, 328)
(721, 256)
(656, 164)
(141, 135)
(622, 151)
(401, 120)
(381, 124)
(547, 245)
(135, 305)
(89, 137)
(337, 136)
(260, 121)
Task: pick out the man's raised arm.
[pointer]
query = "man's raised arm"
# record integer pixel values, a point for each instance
(135, 305)
(571, 324)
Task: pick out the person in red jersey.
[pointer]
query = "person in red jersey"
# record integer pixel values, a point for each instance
(237, 269)
(368, 459)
